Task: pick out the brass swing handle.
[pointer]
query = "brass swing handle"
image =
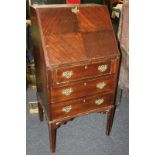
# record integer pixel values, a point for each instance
(67, 74)
(67, 109)
(99, 101)
(67, 91)
(100, 85)
(102, 68)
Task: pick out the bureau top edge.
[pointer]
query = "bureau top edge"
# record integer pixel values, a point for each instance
(37, 6)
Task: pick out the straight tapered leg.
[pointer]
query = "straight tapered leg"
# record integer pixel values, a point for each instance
(41, 112)
(52, 137)
(110, 116)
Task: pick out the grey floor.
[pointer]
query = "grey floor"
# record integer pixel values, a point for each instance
(82, 136)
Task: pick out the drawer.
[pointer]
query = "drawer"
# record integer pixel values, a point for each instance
(82, 71)
(83, 88)
(79, 106)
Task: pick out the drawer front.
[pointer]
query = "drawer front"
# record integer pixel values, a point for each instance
(83, 71)
(84, 105)
(81, 89)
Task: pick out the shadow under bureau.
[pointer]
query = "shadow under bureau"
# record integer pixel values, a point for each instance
(77, 62)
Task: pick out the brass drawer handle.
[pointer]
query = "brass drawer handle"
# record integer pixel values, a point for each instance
(101, 85)
(67, 91)
(99, 101)
(102, 68)
(67, 109)
(67, 74)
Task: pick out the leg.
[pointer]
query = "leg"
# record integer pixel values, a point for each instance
(110, 116)
(41, 113)
(52, 137)
(118, 96)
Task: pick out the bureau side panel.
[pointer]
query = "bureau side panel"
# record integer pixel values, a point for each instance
(41, 70)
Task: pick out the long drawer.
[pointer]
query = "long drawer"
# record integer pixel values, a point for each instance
(83, 88)
(66, 74)
(83, 105)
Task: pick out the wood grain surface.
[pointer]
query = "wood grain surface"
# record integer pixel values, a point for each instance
(71, 37)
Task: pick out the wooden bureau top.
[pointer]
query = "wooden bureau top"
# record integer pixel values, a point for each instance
(69, 37)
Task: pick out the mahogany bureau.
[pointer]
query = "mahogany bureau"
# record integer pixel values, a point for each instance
(77, 62)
